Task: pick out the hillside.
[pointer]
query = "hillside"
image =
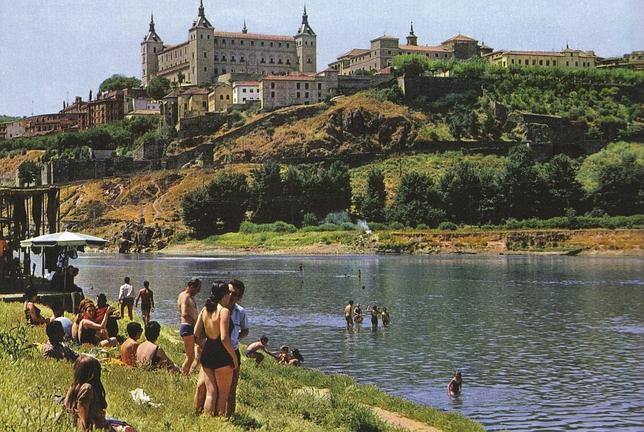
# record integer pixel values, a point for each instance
(9, 165)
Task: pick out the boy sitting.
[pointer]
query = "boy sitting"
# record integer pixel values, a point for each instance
(55, 348)
(128, 349)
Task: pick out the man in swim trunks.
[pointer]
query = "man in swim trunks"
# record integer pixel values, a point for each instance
(348, 314)
(188, 317)
(252, 351)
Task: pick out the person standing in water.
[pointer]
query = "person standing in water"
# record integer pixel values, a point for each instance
(348, 314)
(386, 319)
(188, 318)
(357, 314)
(454, 386)
(147, 301)
(374, 316)
(126, 297)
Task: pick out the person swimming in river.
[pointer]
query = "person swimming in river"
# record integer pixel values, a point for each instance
(454, 386)
(357, 314)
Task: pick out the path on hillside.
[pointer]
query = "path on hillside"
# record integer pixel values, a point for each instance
(396, 420)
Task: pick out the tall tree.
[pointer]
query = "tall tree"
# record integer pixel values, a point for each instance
(196, 212)
(228, 195)
(119, 82)
(417, 201)
(563, 191)
(267, 201)
(521, 184)
(372, 204)
(621, 187)
(462, 193)
(158, 87)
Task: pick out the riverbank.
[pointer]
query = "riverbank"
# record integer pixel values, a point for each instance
(271, 397)
(609, 242)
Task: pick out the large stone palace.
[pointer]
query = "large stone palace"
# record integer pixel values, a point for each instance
(208, 54)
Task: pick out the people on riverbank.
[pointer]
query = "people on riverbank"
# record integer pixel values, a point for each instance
(55, 348)
(348, 314)
(386, 319)
(129, 347)
(32, 312)
(236, 290)
(150, 355)
(253, 350)
(59, 316)
(91, 332)
(374, 316)
(284, 355)
(454, 386)
(188, 318)
(126, 297)
(85, 399)
(112, 326)
(147, 301)
(296, 358)
(218, 358)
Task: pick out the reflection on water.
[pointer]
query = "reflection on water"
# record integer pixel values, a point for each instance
(544, 343)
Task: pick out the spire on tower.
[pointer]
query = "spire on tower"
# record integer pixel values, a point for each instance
(201, 20)
(245, 29)
(152, 34)
(412, 39)
(411, 30)
(305, 28)
(151, 21)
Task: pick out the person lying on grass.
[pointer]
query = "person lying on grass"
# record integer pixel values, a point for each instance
(150, 355)
(54, 348)
(85, 399)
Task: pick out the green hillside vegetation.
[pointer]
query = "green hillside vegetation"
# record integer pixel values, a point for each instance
(6, 118)
(269, 397)
(608, 101)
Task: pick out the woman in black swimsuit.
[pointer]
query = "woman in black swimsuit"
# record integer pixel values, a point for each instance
(218, 358)
(32, 312)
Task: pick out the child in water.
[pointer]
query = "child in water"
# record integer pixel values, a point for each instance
(357, 314)
(454, 386)
(386, 319)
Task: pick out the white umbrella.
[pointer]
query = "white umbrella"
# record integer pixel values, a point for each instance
(63, 239)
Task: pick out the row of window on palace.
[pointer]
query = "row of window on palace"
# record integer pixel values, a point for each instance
(362, 58)
(547, 63)
(298, 95)
(261, 43)
(298, 86)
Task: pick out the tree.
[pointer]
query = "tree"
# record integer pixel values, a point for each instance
(372, 205)
(326, 190)
(411, 65)
(158, 87)
(267, 200)
(621, 187)
(29, 172)
(417, 202)
(228, 194)
(293, 193)
(119, 82)
(196, 212)
(462, 193)
(521, 184)
(563, 191)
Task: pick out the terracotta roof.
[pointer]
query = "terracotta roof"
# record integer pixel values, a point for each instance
(460, 38)
(258, 36)
(171, 47)
(246, 83)
(289, 78)
(531, 53)
(424, 48)
(354, 52)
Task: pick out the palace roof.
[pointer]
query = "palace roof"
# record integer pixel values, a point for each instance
(246, 83)
(424, 48)
(459, 38)
(354, 52)
(258, 36)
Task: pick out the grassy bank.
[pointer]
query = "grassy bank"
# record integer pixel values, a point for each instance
(415, 241)
(270, 398)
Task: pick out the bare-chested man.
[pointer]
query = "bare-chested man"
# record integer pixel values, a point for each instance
(188, 317)
(348, 314)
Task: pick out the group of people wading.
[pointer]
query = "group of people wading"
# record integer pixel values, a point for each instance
(355, 316)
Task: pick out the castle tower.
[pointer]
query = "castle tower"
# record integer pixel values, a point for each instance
(202, 49)
(151, 46)
(412, 39)
(306, 40)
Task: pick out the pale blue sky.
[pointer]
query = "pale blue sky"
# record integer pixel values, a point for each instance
(56, 49)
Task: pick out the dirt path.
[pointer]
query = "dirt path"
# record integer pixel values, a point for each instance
(399, 421)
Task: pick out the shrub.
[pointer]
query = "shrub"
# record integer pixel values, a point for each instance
(322, 227)
(348, 226)
(396, 226)
(377, 226)
(310, 219)
(447, 226)
(424, 226)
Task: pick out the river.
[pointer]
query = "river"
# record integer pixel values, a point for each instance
(544, 342)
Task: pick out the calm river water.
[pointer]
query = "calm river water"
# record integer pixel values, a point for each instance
(544, 343)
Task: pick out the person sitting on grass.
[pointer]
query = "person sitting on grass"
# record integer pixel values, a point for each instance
(454, 386)
(296, 358)
(85, 399)
(150, 355)
(32, 312)
(284, 355)
(59, 315)
(54, 348)
(112, 326)
(253, 350)
(129, 347)
(89, 332)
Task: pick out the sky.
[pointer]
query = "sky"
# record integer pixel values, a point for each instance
(53, 50)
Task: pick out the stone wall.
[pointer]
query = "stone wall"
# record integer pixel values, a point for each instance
(201, 125)
(69, 170)
(436, 87)
(351, 84)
